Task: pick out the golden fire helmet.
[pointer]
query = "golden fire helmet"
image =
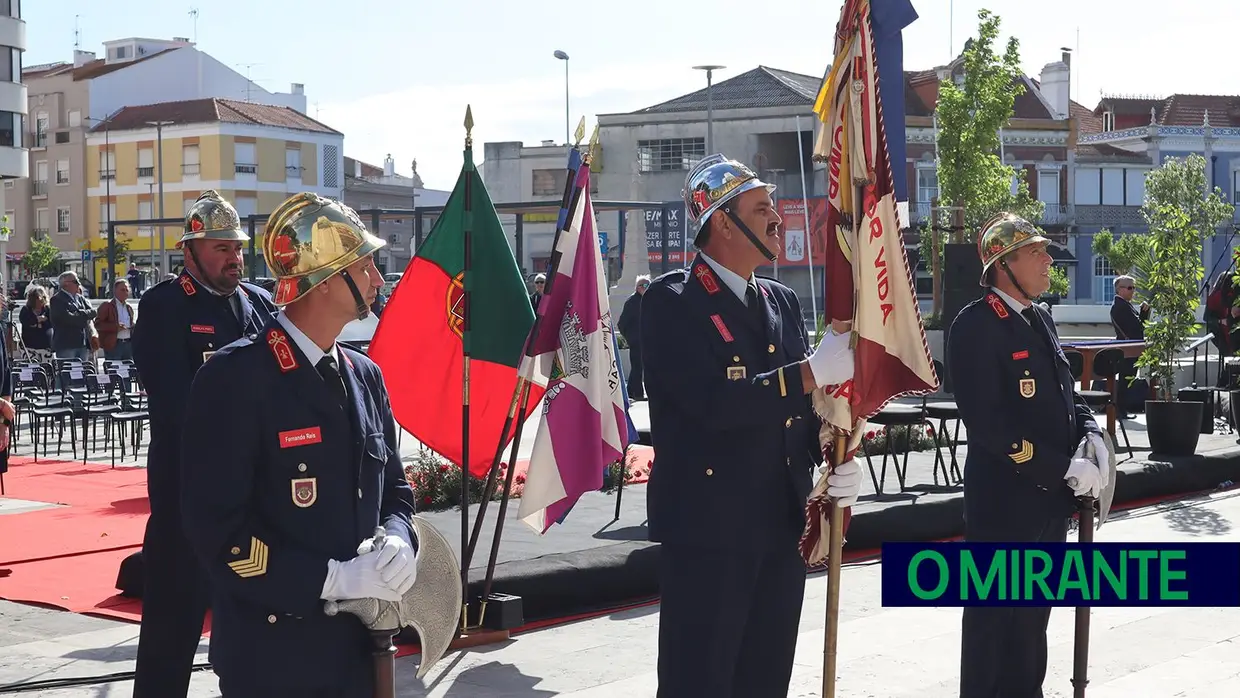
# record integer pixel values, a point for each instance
(211, 217)
(308, 239)
(1001, 235)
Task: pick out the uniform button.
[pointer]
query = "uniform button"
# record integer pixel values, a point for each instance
(736, 359)
(235, 550)
(1015, 445)
(210, 345)
(709, 472)
(788, 423)
(1026, 373)
(765, 382)
(271, 618)
(770, 348)
(359, 493)
(301, 467)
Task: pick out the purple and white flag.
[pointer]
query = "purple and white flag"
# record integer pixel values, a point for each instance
(583, 427)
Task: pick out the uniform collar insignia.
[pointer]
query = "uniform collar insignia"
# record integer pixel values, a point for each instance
(187, 284)
(706, 277)
(282, 349)
(997, 304)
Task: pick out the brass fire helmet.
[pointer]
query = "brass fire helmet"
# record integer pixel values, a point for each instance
(308, 239)
(211, 217)
(1001, 235)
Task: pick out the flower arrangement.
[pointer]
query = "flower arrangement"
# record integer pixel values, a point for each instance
(437, 483)
(918, 437)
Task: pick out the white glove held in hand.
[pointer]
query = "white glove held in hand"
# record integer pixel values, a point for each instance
(1102, 458)
(1083, 478)
(358, 578)
(843, 483)
(397, 565)
(832, 362)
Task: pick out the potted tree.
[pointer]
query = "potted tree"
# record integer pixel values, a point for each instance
(1181, 212)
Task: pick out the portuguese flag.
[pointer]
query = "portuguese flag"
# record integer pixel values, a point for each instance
(421, 340)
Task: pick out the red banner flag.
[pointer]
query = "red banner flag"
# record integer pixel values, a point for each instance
(869, 286)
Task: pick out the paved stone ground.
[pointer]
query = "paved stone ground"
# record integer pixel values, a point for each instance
(884, 653)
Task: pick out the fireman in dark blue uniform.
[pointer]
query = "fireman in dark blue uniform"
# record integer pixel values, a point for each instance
(180, 323)
(736, 438)
(1027, 434)
(291, 465)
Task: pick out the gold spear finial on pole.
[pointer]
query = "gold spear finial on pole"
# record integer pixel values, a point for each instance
(592, 151)
(580, 132)
(469, 126)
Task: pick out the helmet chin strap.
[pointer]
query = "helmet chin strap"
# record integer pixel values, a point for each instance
(770, 256)
(363, 309)
(1012, 277)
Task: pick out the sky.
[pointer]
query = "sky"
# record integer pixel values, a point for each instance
(395, 77)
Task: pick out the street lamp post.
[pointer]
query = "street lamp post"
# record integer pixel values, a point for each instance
(564, 57)
(159, 157)
(710, 105)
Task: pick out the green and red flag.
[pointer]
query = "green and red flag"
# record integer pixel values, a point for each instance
(421, 340)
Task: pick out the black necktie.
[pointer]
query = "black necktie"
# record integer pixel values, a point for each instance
(754, 304)
(1035, 321)
(327, 369)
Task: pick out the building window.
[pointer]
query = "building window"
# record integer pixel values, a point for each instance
(1048, 189)
(107, 164)
(41, 125)
(146, 162)
(927, 185)
(1104, 281)
(40, 223)
(331, 167)
(11, 8)
(40, 178)
(62, 171)
(246, 206)
(1108, 120)
(189, 160)
(107, 214)
(244, 159)
(62, 219)
(292, 164)
(670, 154)
(10, 64)
(146, 211)
(11, 124)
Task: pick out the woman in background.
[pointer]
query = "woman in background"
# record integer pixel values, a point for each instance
(36, 321)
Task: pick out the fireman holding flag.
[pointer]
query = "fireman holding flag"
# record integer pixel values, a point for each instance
(1028, 434)
(736, 438)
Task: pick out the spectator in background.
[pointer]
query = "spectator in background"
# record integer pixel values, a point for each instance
(1129, 323)
(115, 323)
(36, 321)
(540, 281)
(72, 320)
(630, 328)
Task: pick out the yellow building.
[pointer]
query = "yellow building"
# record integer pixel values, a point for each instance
(255, 155)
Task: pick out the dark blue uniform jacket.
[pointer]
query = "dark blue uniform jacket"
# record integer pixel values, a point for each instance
(735, 437)
(1024, 417)
(179, 321)
(277, 480)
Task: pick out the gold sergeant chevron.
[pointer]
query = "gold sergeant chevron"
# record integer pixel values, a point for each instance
(255, 564)
(1024, 452)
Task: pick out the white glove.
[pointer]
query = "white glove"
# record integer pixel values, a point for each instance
(843, 483)
(1083, 477)
(832, 361)
(358, 578)
(397, 564)
(1102, 458)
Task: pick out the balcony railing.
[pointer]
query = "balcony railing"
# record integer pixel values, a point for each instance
(39, 139)
(1057, 214)
(146, 171)
(245, 168)
(107, 174)
(190, 168)
(38, 233)
(1109, 216)
(40, 187)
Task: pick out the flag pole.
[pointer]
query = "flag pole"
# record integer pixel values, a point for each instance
(834, 552)
(809, 229)
(572, 194)
(465, 337)
(520, 398)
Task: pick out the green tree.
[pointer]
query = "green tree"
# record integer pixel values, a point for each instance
(1181, 212)
(1128, 255)
(1059, 283)
(41, 256)
(971, 175)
